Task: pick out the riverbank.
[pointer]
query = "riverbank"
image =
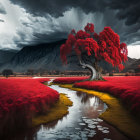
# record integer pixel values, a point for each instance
(57, 111)
(116, 114)
(125, 88)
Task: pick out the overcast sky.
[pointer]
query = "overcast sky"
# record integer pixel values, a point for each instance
(25, 22)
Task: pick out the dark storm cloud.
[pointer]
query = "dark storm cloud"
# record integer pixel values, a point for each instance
(127, 9)
(2, 9)
(123, 16)
(1, 20)
(44, 38)
(57, 7)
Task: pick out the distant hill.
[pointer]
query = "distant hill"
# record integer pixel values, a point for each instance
(46, 56)
(6, 55)
(132, 65)
(42, 56)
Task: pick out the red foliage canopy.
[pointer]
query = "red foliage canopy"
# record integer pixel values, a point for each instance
(103, 46)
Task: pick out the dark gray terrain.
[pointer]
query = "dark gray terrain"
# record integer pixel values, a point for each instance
(45, 56)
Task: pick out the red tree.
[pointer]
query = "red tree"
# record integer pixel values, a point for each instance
(92, 47)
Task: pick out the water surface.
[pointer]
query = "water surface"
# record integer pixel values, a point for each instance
(82, 122)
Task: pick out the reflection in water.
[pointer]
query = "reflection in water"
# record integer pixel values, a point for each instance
(90, 100)
(79, 123)
(91, 106)
(82, 122)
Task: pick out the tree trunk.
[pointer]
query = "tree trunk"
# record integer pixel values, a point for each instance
(99, 71)
(91, 68)
(99, 76)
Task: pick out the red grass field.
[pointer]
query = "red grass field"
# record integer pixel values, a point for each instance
(125, 88)
(21, 99)
(42, 80)
(68, 80)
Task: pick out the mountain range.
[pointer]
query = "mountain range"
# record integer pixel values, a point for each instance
(47, 56)
(6, 55)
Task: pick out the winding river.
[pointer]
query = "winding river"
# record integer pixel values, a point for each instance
(82, 122)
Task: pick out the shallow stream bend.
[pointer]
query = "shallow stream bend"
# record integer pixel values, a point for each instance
(82, 122)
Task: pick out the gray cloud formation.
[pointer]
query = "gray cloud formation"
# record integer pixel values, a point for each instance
(122, 15)
(51, 20)
(2, 9)
(48, 28)
(56, 7)
(1, 20)
(126, 9)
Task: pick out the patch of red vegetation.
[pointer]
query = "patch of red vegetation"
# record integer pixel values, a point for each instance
(42, 80)
(68, 80)
(21, 99)
(125, 88)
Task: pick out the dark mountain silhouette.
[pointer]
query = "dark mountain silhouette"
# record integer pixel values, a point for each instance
(42, 56)
(6, 55)
(47, 56)
(133, 65)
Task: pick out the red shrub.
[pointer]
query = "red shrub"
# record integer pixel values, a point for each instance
(17, 92)
(42, 80)
(21, 99)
